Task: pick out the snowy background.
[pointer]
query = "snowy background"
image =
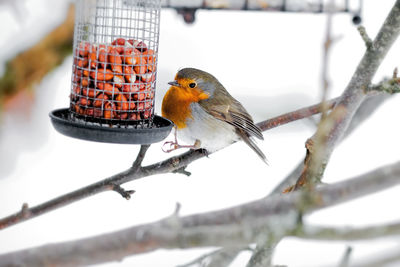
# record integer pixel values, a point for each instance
(270, 62)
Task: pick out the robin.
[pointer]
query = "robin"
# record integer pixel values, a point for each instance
(206, 115)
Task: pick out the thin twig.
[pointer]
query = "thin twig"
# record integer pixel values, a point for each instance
(140, 157)
(182, 171)
(124, 193)
(363, 32)
(295, 115)
(325, 57)
(173, 164)
(390, 86)
(344, 262)
(239, 225)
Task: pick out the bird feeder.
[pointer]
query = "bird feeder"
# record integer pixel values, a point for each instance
(114, 74)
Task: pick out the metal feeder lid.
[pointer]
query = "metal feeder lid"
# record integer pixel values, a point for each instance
(63, 123)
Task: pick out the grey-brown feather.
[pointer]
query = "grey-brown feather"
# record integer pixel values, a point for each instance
(233, 112)
(247, 139)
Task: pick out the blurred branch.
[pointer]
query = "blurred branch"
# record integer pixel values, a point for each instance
(225, 257)
(325, 56)
(171, 165)
(262, 256)
(348, 233)
(218, 258)
(331, 129)
(29, 67)
(389, 258)
(236, 226)
(344, 262)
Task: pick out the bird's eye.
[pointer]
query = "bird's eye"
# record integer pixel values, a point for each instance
(192, 85)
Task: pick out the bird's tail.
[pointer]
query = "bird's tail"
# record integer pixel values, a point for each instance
(253, 146)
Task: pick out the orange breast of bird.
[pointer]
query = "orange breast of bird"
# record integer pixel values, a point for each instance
(176, 104)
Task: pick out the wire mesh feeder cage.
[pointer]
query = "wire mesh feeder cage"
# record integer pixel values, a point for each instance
(114, 73)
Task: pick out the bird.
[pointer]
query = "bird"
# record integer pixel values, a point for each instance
(205, 115)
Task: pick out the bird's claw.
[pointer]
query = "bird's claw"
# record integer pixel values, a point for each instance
(169, 146)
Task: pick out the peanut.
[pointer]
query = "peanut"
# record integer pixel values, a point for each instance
(85, 82)
(108, 88)
(99, 100)
(122, 102)
(109, 112)
(84, 101)
(130, 75)
(103, 57)
(93, 59)
(83, 63)
(148, 77)
(146, 114)
(88, 92)
(83, 49)
(118, 81)
(102, 75)
(116, 62)
(141, 46)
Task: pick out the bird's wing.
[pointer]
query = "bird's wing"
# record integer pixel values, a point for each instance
(234, 114)
(245, 137)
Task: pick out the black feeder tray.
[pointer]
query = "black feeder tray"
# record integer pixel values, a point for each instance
(63, 122)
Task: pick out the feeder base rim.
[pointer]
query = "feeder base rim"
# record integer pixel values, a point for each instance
(62, 122)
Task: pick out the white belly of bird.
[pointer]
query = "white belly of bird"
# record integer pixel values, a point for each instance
(213, 134)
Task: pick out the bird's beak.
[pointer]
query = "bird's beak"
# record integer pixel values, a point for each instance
(174, 83)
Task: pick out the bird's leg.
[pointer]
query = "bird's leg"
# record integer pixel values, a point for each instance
(174, 145)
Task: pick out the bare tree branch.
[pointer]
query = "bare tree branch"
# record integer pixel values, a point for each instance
(295, 115)
(321, 145)
(236, 226)
(366, 109)
(171, 165)
(140, 157)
